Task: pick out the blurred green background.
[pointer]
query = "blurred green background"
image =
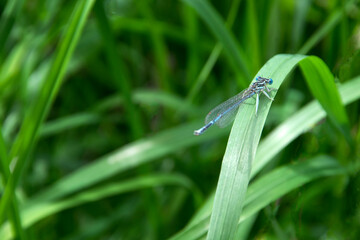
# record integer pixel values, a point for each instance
(99, 100)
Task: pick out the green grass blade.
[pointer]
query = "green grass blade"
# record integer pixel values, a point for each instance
(118, 73)
(271, 31)
(162, 99)
(170, 31)
(237, 57)
(240, 152)
(252, 35)
(232, 183)
(244, 229)
(40, 210)
(151, 98)
(214, 55)
(5, 173)
(12, 64)
(36, 114)
(204, 73)
(160, 48)
(143, 97)
(300, 122)
(125, 158)
(7, 21)
(322, 85)
(284, 179)
(67, 123)
(301, 10)
(269, 188)
(327, 26)
(4, 159)
(191, 25)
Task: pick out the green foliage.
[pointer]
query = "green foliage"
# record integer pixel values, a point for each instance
(99, 100)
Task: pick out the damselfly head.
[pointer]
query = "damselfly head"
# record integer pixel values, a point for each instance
(267, 80)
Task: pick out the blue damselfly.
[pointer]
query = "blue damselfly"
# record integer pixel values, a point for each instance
(224, 114)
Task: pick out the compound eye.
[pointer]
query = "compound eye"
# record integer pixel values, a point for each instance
(270, 81)
(257, 78)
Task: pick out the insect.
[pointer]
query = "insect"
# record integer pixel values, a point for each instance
(224, 113)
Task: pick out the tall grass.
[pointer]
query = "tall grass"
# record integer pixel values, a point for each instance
(99, 100)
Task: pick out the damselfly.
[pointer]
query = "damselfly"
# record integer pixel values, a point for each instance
(224, 114)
